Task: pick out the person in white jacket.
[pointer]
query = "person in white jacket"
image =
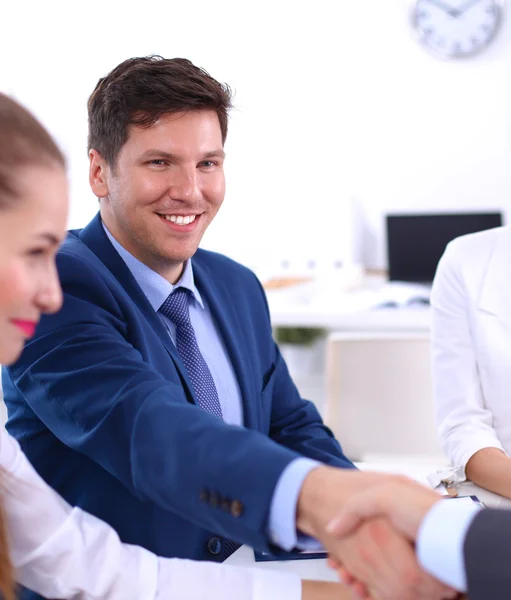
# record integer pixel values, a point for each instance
(471, 349)
(45, 544)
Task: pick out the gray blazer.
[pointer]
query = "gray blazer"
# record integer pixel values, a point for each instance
(487, 551)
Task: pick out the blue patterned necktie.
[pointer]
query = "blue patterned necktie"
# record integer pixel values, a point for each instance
(175, 308)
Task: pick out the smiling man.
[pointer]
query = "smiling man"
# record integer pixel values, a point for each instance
(164, 188)
(157, 398)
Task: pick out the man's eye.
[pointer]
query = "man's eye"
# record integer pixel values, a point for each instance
(208, 163)
(158, 162)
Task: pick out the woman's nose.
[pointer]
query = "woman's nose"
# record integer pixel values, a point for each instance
(49, 297)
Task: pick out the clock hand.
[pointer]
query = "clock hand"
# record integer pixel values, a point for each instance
(466, 6)
(445, 7)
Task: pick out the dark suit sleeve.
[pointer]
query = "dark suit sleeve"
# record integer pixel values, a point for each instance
(94, 391)
(487, 553)
(295, 422)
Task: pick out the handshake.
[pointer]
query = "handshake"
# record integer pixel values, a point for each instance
(369, 523)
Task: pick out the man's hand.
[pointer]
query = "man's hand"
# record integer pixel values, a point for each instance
(375, 554)
(403, 502)
(325, 490)
(382, 565)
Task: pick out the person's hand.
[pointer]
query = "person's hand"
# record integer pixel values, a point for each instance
(326, 490)
(378, 563)
(359, 590)
(403, 502)
(376, 555)
(325, 590)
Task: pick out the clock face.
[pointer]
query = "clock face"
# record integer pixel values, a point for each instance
(456, 28)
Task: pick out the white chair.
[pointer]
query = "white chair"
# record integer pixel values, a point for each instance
(379, 399)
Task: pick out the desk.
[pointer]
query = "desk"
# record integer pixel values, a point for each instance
(317, 568)
(383, 319)
(310, 305)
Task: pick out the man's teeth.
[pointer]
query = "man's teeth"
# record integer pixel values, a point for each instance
(180, 220)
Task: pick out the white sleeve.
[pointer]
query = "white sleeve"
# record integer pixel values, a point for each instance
(465, 425)
(215, 581)
(61, 552)
(441, 540)
(65, 553)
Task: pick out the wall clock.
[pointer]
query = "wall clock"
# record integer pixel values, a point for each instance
(456, 28)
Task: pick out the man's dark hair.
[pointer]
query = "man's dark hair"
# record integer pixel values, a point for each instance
(141, 90)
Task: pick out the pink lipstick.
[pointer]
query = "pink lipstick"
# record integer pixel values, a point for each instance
(27, 327)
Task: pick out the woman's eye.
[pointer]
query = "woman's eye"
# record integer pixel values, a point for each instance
(36, 252)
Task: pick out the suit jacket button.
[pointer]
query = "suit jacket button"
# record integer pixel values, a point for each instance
(236, 508)
(226, 505)
(214, 546)
(204, 495)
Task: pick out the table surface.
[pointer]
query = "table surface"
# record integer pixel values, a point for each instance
(317, 568)
(362, 309)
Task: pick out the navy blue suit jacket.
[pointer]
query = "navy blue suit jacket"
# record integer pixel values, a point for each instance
(101, 403)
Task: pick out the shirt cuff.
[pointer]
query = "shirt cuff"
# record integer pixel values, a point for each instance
(441, 540)
(282, 522)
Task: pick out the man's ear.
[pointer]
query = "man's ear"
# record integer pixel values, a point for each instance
(98, 170)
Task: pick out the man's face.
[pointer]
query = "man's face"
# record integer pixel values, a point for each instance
(167, 185)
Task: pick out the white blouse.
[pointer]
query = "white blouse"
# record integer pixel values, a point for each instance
(471, 344)
(63, 552)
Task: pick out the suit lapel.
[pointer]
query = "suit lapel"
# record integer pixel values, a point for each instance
(95, 238)
(223, 310)
(496, 291)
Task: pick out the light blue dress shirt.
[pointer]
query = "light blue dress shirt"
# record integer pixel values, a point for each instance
(282, 519)
(441, 540)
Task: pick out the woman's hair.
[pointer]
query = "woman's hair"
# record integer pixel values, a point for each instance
(24, 142)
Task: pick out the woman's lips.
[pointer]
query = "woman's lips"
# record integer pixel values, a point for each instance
(27, 327)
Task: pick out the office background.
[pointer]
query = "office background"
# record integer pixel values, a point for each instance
(340, 115)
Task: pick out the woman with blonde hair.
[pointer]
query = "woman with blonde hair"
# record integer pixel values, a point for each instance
(45, 544)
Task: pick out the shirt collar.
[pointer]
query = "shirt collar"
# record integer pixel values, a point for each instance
(155, 287)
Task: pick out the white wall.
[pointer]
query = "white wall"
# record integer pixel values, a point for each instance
(335, 101)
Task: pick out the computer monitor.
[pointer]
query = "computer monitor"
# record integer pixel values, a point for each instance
(415, 243)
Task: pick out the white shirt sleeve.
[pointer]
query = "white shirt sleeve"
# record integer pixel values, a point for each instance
(63, 552)
(441, 540)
